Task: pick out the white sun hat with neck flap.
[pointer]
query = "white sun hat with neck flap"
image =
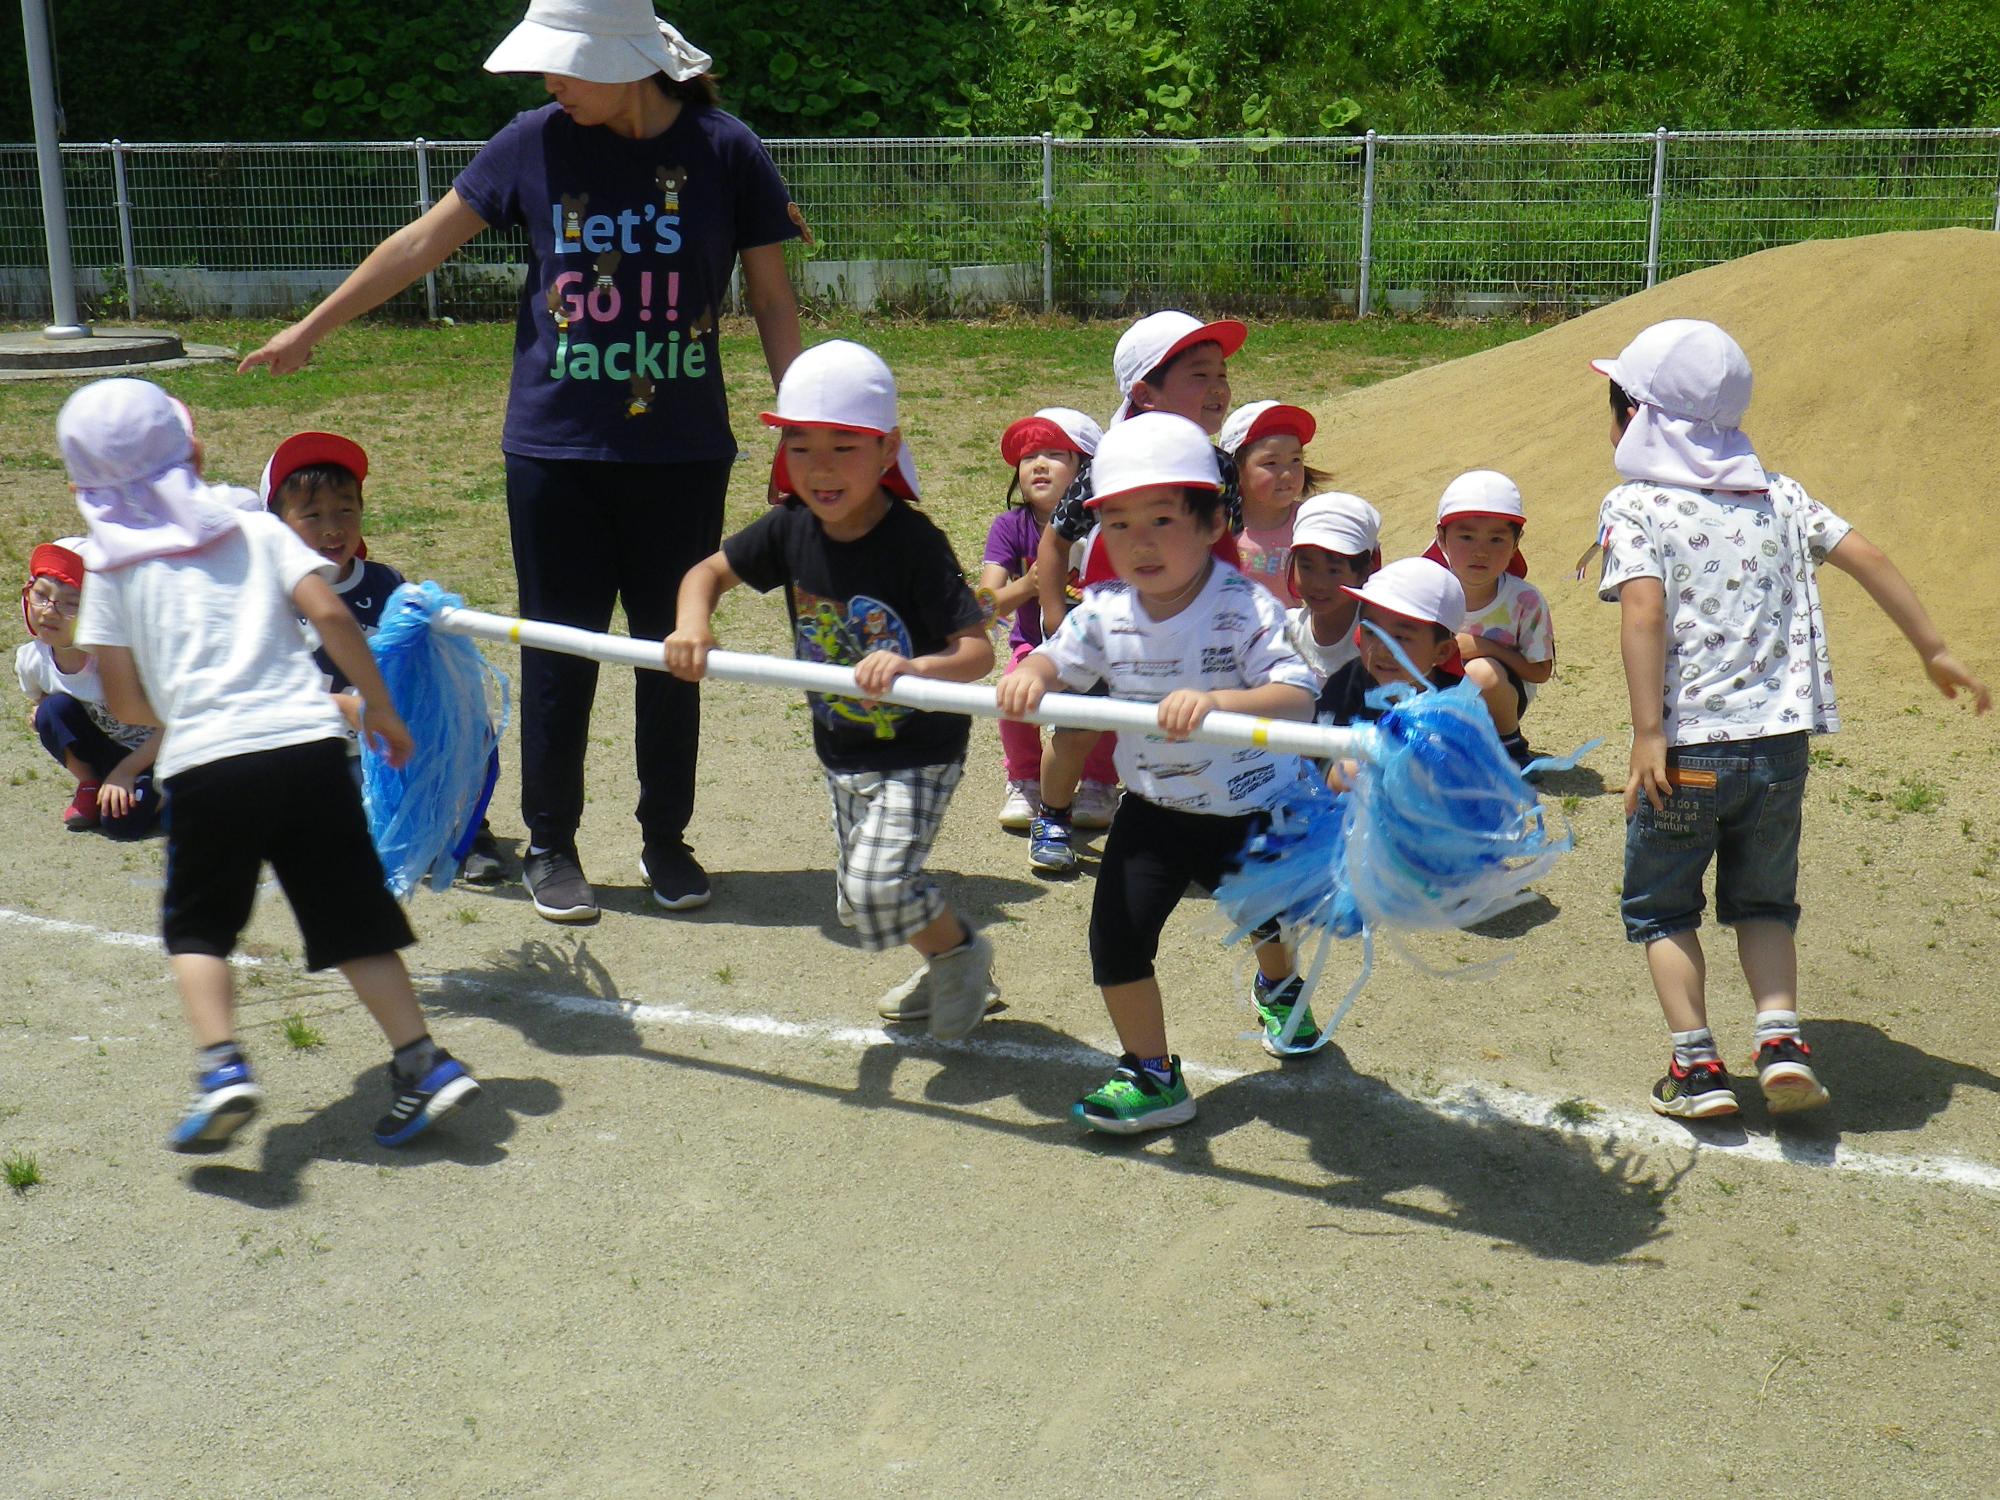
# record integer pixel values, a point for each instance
(599, 41)
(1692, 383)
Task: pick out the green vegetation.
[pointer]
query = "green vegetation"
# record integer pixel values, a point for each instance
(21, 1170)
(368, 69)
(300, 1034)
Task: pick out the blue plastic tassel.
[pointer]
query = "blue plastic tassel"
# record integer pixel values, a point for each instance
(1438, 831)
(423, 818)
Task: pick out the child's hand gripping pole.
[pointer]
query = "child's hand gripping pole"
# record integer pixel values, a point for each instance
(1063, 710)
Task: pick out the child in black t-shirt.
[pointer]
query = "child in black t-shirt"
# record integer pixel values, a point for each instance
(1418, 605)
(313, 484)
(870, 583)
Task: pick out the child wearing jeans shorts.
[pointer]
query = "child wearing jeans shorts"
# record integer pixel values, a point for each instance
(870, 583)
(189, 611)
(1711, 560)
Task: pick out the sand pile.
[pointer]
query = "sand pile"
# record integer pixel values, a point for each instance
(1877, 364)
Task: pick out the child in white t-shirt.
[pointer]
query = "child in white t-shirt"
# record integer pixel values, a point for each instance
(190, 613)
(1711, 559)
(111, 761)
(1193, 635)
(1508, 641)
(1336, 546)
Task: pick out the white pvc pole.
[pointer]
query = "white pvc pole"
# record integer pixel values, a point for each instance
(1064, 710)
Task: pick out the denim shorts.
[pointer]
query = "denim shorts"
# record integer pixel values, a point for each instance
(1737, 803)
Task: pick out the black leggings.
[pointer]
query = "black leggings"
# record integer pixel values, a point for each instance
(1151, 855)
(588, 535)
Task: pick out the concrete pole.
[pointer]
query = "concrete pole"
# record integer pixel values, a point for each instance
(48, 155)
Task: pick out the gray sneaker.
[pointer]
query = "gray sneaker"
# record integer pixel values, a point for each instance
(910, 1000)
(961, 988)
(555, 882)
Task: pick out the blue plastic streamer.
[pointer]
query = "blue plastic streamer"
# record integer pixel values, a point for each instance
(1438, 829)
(424, 817)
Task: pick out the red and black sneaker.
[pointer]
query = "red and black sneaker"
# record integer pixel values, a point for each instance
(1785, 1074)
(1700, 1091)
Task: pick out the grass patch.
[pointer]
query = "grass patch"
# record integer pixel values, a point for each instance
(300, 1034)
(1916, 794)
(22, 1171)
(1576, 1111)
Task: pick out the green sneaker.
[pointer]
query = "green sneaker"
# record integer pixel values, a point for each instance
(1130, 1101)
(1274, 1004)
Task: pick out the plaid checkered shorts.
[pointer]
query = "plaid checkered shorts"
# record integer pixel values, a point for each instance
(885, 823)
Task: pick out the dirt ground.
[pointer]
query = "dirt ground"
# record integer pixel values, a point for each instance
(711, 1231)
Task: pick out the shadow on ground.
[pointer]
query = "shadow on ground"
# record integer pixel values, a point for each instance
(1547, 1192)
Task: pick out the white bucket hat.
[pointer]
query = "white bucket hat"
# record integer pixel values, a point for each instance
(1417, 589)
(841, 384)
(599, 41)
(1157, 338)
(1337, 522)
(1155, 447)
(1482, 492)
(1692, 383)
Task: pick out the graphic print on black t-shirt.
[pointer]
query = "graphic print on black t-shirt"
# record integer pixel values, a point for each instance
(840, 635)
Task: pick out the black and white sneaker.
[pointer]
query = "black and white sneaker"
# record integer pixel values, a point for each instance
(555, 880)
(1785, 1074)
(679, 882)
(1699, 1091)
(420, 1103)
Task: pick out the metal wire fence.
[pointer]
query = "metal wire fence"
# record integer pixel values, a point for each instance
(1467, 224)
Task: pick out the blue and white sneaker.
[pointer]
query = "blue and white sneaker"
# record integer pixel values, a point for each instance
(1049, 848)
(224, 1100)
(421, 1102)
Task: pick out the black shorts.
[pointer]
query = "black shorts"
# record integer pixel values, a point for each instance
(297, 807)
(1151, 855)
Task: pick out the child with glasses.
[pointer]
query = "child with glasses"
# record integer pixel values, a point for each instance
(111, 761)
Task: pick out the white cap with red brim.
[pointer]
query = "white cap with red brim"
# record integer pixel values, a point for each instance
(1157, 338)
(1482, 492)
(1417, 589)
(839, 384)
(1153, 448)
(1262, 419)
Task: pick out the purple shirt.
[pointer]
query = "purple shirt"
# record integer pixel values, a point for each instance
(1012, 541)
(630, 245)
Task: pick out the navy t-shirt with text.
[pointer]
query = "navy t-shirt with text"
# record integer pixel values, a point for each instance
(630, 248)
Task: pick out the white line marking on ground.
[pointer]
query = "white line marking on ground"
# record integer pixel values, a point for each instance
(1467, 1100)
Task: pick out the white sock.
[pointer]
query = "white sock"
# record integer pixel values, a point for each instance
(1777, 1025)
(1697, 1046)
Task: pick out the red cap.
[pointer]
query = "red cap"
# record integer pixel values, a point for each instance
(52, 560)
(304, 449)
(1032, 435)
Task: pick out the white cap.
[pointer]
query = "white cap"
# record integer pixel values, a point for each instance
(1336, 522)
(1417, 589)
(1081, 427)
(1157, 338)
(121, 431)
(1692, 383)
(600, 41)
(1155, 447)
(841, 384)
(1260, 419)
(1688, 369)
(1483, 492)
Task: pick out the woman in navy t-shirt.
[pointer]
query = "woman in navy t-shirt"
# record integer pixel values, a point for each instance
(638, 195)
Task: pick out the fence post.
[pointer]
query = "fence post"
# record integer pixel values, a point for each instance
(1048, 222)
(1659, 191)
(1367, 224)
(1996, 191)
(122, 196)
(424, 207)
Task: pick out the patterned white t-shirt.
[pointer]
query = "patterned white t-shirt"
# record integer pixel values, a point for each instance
(1746, 639)
(1518, 617)
(1231, 637)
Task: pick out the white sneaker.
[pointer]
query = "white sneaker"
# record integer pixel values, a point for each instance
(962, 988)
(1096, 801)
(1024, 800)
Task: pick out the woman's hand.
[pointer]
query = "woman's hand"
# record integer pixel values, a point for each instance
(288, 352)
